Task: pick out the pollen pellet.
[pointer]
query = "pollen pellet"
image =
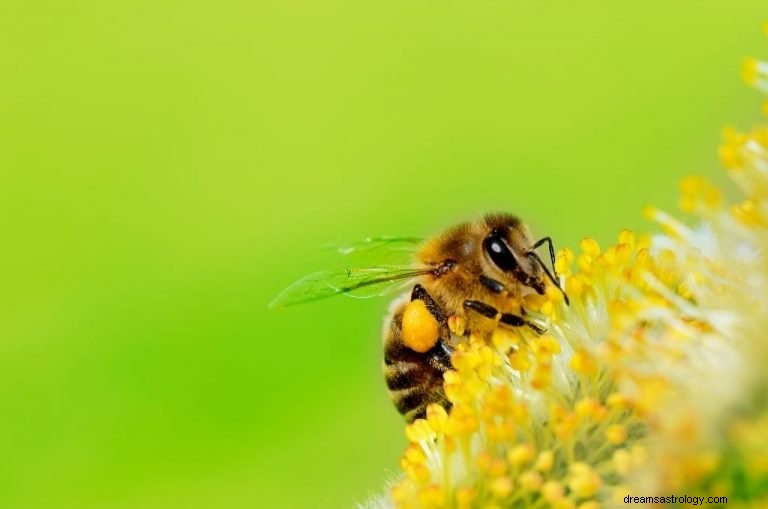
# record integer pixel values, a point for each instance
(420, 328)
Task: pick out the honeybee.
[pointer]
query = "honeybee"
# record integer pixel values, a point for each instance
(469, 279)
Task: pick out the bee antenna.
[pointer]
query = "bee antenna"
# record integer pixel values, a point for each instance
(549, 274)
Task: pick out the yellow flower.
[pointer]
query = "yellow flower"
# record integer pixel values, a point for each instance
(652, 381)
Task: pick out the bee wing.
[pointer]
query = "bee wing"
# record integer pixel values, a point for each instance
(360, 283)
(386, 249)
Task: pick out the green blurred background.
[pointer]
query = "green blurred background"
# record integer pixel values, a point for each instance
(167, 167)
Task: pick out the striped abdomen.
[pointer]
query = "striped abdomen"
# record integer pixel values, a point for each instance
(414, 379)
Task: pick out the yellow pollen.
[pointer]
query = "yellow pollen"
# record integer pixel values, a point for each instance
(483, 461)
(586, 407)
(534, 301)
(748, 213)
(590, 247)
(564, 503)
(414, 454)
(695, 191)
(520, 359)
(584, 481)
(498, 467)
(401, 494)
(730, 149)
(501, 486)
(552, 490)
(464, 360)
(520, 412)
(585, 262)
(618, 400)
(639, 454)
(531, 480)
(627, 237)
(457, 324)
(749, 70)
(622, 461)
(575, 286)
(461, 421)
(546, 346)
(521, 454)
(420, 328)
(419, 430)
(565, 430)
(465, 496)
(563, 262)
(557, 412)
(498, 402)
(417, 472)
(432, 496)
(650, 212)
(437, 417)
(583, 363)
(500, 431)
(616, 434)
(554, 297)
(542, 375)
(504, 339)
(545, 461)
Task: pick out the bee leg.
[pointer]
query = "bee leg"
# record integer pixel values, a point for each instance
(547, 240)
(516, 321)
(440, 356)
(484, 309)
(554, 278)
(419, 292)
(506, 318)
(492, 284)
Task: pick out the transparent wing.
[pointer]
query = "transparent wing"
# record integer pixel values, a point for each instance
(379, 250)
(360, 283)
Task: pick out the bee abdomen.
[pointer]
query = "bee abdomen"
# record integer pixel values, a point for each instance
(404, 375)
(407, 400)
(414, 381)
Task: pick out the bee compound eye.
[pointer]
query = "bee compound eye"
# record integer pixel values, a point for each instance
(499, 252)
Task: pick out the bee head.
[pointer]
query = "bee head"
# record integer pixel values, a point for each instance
(506, 246)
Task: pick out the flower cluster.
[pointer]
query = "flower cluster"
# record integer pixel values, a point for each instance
(650, 383)
(543, 419)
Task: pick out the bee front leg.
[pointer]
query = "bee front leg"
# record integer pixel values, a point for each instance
(493, 285)
(516, 321)
(506, 318)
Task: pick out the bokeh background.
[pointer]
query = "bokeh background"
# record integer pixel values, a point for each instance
(167, 167)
